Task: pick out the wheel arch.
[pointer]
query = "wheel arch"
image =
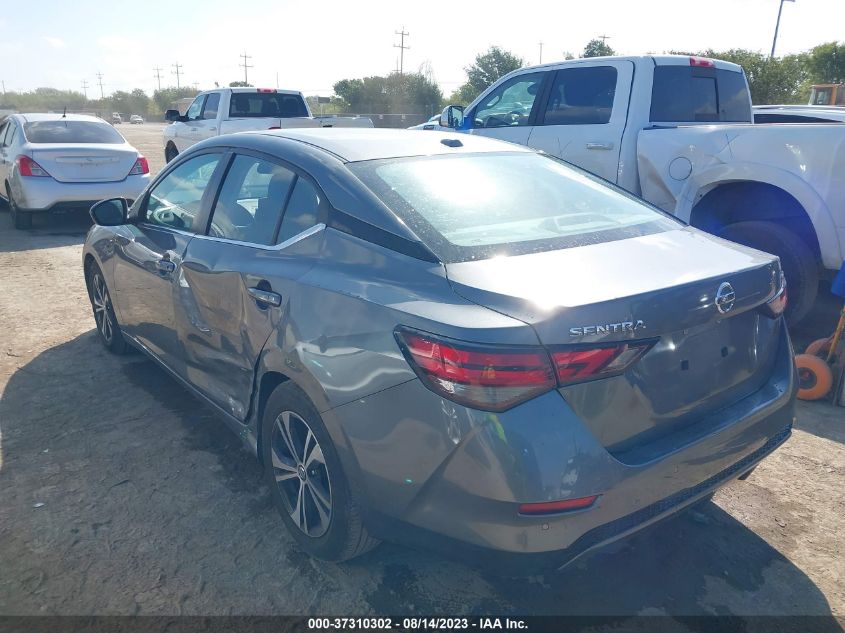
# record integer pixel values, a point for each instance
(798, 194)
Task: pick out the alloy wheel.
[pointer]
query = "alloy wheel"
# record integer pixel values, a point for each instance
(102, 307)
(301, 474)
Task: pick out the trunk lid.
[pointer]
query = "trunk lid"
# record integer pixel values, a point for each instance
(660, 287)
(85, 163)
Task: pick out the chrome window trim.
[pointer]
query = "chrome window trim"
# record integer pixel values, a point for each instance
(313, 230)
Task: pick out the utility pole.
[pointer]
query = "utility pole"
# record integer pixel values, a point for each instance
(196, 86)
(4, 87)
(85, 88)
(541, 52)
(402, 48)
(246, 66)
(100, 81)
(177, 72)
(604, 38)
(158, 76)
(777, 26)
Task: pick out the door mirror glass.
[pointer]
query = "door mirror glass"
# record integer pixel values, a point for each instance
(172, 115)
(111, 212)
(452, 116)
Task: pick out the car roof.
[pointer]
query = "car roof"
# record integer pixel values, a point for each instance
(55, 116)
(359, 144)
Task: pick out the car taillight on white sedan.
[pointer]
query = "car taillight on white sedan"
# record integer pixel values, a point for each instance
(140, 167)
(29, 168)
(496, 378)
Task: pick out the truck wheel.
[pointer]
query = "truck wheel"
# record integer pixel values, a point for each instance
(797, 260)
(170, 152)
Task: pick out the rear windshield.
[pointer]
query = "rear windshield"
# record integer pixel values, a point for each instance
(71, 132)
(475, 206)
(692, 93)
(266, 104)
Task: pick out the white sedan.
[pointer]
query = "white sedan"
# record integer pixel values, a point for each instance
(55, 163)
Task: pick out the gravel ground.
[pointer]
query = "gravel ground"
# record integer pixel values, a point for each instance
(121, 494)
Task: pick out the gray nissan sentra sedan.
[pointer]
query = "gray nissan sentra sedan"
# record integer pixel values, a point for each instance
(447, 339)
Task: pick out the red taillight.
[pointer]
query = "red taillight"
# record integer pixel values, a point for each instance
(28, 167)
(141, 166)
(482, 377)
(702, 62)
(591, 363)
(775, 306)
(265, 90)
(553, 507)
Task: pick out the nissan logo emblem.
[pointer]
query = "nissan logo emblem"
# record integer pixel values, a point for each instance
(725, 297)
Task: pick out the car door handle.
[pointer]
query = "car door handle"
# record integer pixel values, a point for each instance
(165, 266)
(266, 296)
(599, 145)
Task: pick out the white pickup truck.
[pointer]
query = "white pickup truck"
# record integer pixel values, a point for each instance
(229, 110)
(677, 131)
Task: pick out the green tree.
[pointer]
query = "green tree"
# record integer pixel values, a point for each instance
(488, 68)
(771, 80)
(409, 93)
(163, 99)
(597, 48)
(239, 84)
(826, 63)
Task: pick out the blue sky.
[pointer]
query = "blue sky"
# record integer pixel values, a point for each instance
(312, 45)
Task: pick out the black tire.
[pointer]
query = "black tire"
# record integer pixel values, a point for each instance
(20, 220)
(108, 328)
(170, 152)
(342, 535)
(797, 260)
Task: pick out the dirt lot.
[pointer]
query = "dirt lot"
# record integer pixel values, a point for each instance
(120, 494)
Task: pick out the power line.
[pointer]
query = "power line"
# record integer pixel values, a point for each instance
(85, 88)
(100, 81)
(246, 66)
(158, 76)
(402, 48)
(177, 72)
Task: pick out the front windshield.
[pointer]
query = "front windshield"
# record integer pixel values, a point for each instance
(472, 206)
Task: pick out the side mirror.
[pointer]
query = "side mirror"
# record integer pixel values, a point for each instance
(173, 115)
(452, 116)
(111, 212)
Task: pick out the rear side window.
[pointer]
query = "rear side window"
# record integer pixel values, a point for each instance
(581, 96)
(301, 211)
(71, 132)
(266, 104)
(251, 200)
(212, 104)
(688, 94)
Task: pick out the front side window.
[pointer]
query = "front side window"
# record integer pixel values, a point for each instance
(581, 96)
(175, 201)
(212, 104)
(249, 207)
(474, 206)
(195, 109)
(71, 132)
(510, 104)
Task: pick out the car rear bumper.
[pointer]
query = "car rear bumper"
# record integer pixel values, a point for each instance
(35, 195)
(460, 475)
